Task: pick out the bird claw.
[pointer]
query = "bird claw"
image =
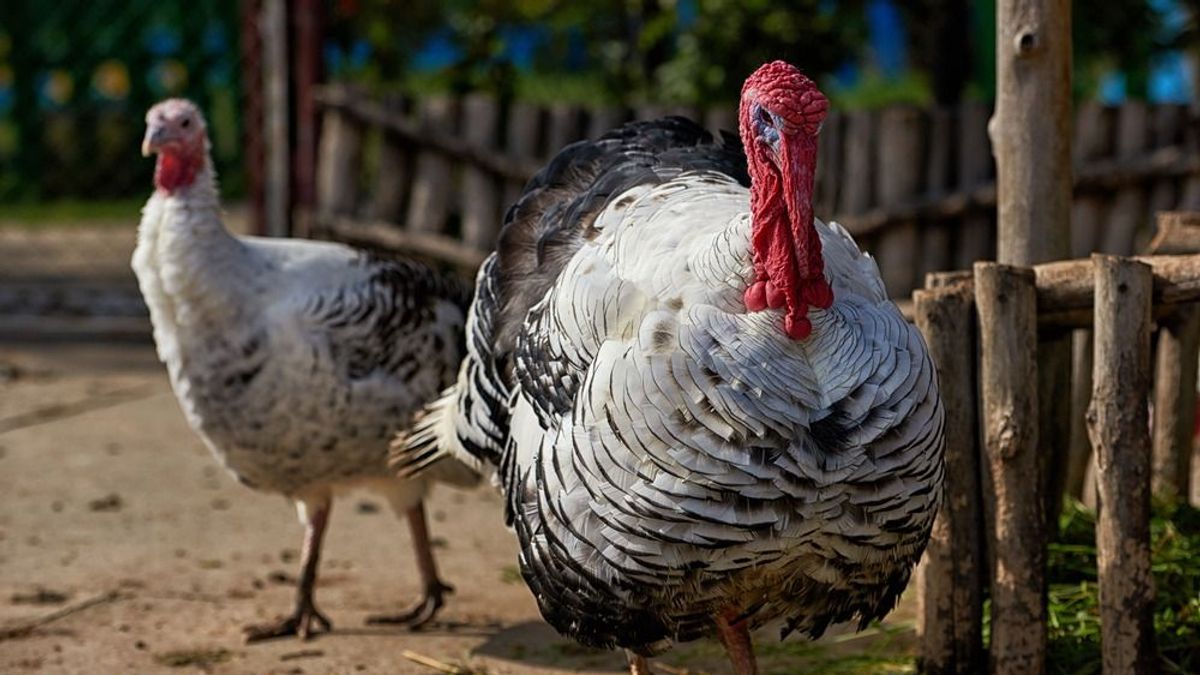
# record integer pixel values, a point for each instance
(304, 623)
(420, 613)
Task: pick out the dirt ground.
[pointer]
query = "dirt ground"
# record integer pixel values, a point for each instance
(125, 549)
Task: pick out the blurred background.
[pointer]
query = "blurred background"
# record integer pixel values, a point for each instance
(412, 124)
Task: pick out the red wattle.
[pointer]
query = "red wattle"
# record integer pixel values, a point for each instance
(797, 328)
(176, 170)
(756, 296)
(775, 295)
(818, 294)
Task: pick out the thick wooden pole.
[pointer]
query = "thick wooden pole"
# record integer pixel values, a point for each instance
(951, 576)
(276, 118)
(1118, 424)
(1031, 138)
(1031, 130)
(1175, 404)
(1007, 306)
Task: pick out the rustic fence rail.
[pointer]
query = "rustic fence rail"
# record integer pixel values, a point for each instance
(1123, 300)
(915, 186)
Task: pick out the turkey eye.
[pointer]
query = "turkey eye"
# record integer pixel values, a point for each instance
(187, 121)
(764, 116)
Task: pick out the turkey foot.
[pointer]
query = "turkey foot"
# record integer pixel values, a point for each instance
(302, 624)
(314, 512)
(421, 612)
(425, 609)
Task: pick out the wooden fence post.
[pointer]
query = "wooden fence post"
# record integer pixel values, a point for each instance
(1006, 300)
(935, 235)
(520, 142)
(1079, 451)
(977, 240)
(430, 198)
(951, 575)
(829, 164)
(480, 203)
(392, 174)
(1117, 422)
(857, 142)
(1128, 209)
(899, 169)
(338, 164)
(1175, 404)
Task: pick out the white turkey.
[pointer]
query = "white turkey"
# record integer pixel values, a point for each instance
(295, 361)
(704, 411)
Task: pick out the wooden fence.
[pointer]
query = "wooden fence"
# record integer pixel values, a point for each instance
(983, 329)
(434, 176)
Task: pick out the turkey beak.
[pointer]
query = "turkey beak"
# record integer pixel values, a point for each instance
(155, 135)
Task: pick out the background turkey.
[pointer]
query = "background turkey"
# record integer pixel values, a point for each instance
(296, 361)
(702, 407)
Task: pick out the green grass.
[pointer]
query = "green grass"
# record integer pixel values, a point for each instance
(67, 212)
(1074, 608)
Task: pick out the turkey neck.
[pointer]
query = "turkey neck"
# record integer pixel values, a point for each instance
(200, 262)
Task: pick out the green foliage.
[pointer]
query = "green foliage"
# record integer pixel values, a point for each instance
(876, 91)
(633, 51)
(1074, 609)
(728, 39)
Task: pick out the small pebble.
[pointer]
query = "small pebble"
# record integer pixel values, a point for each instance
(110, 502)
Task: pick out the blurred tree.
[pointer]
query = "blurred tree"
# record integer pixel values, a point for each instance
(682, 51)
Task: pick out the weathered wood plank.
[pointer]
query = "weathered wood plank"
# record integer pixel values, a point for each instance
(481, 217)
(1093, 141)
(858, 143)
(386, 236)
(430, 202)
(1128, 208)
(1175, 404)
(977, 239)
(898, 170)
(392, 176)
(338, 163)
(521, 146)
(936, 232)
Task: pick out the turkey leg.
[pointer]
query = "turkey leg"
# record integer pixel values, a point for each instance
(637, 664)
(735, 635)
(305, 618)
(435, 590)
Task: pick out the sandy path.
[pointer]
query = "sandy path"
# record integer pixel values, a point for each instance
(112, 513)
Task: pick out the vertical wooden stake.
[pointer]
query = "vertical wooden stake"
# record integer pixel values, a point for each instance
(481, 216)
(951, 575)
(394, 171)
(429, 203)
(899, 170)
(338, 163)
(1006, 300)
(1079, 452)
(1175, 404)
(1117, 422)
